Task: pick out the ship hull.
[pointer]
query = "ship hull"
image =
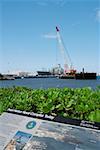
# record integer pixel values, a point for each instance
(85, 76)
(67, 77)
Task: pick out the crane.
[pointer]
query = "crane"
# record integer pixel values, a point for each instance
(68, 66)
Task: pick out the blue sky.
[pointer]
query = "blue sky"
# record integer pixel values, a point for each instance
(27, 39)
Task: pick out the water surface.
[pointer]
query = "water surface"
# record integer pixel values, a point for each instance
(37, 83)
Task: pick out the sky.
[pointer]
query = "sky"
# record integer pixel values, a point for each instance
(28, 36)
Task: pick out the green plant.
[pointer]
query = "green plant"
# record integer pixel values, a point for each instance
(81, 103)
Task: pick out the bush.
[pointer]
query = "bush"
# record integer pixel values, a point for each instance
(80, 103)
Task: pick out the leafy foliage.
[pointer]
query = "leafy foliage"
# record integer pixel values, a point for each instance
(81, 103)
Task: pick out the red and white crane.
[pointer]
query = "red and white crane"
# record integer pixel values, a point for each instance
(68, 67)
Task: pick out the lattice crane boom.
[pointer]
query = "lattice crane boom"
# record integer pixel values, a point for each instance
(68, 67)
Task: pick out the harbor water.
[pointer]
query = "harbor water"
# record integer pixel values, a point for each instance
(38, 83)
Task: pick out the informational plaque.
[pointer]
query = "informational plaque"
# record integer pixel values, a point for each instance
(26, 133)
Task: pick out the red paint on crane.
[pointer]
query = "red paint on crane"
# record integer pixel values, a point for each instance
(57, 29)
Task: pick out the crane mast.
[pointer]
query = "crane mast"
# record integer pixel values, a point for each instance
(67, 60)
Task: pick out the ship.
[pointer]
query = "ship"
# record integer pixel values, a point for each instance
(86, 75)
(44, 74)
(80, 76)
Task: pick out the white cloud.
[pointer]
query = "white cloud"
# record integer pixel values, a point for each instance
(48, 2)
(98, 15)
(49, 36)
(41, 3)
(61, 3)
